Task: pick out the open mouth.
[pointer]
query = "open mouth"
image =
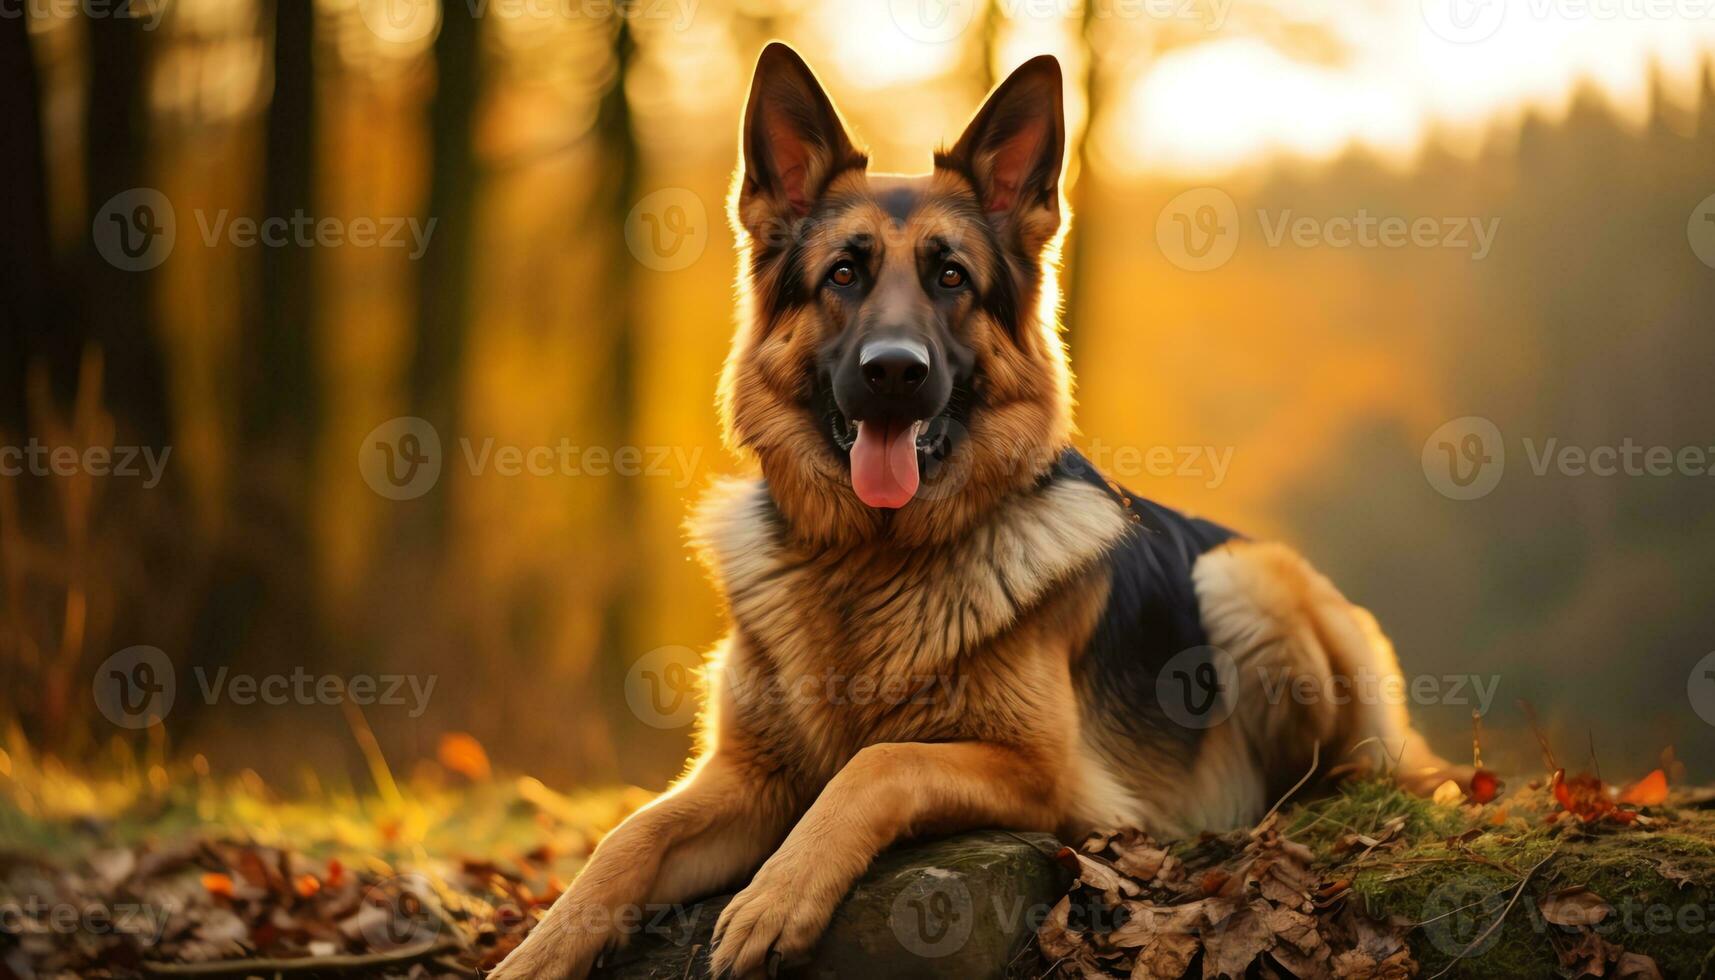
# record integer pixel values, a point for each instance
(889, 460)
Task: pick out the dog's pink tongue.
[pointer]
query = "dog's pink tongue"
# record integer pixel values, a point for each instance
(884, 464)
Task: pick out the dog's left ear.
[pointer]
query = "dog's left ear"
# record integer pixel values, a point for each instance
(1012, 151)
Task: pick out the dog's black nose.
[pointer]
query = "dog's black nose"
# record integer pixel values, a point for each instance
(894, 368)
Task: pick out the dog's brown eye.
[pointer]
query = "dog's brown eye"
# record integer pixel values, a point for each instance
(843, 274)
(952, 277)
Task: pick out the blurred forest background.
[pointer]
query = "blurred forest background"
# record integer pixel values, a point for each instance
(554, 143)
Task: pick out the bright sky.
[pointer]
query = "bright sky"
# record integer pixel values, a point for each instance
(1239, 80)
(1453, 63)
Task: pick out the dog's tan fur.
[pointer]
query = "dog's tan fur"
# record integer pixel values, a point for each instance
(955, 625)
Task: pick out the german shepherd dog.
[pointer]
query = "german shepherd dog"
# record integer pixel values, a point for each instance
(943, 617)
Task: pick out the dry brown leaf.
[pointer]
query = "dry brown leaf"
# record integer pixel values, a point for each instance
(1575, 906)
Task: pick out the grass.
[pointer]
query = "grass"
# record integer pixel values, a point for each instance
(432, 817)
(1448, 873)
(1457, 868)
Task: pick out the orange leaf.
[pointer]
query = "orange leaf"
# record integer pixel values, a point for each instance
(463, 754)
(1648, 791)
(1485, 786)
(218, 884)
(306, 885)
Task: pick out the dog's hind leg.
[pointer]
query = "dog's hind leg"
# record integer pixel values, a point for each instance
(706, 834)
(1316, 676)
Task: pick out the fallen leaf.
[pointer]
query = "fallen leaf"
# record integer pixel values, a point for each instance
(1485, 786)
(1648, 791)
(218, 884)
(461, 753)
(1575, 906)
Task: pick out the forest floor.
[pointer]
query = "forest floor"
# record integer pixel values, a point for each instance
(158, 872)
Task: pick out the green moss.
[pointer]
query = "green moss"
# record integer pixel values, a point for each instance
(1460, 867)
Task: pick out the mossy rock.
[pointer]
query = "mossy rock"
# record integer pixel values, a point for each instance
(1659, 879)
(965, 906)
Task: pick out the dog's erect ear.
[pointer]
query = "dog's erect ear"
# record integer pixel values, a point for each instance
(1012, 150)
(793, 139)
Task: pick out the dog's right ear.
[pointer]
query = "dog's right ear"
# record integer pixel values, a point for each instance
(793, 141)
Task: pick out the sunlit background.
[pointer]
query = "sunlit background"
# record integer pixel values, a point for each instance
(576, 289)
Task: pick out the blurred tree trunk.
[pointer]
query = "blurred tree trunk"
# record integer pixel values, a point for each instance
(259, 601)
(444, 295)
(119, 306)
(26, 249)
(1075, 281)
(622, 163)
(280, 406)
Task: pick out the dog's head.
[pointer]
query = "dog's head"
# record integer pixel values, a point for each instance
(897, 368)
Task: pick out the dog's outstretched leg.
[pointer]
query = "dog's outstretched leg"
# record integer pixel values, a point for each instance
(887, 791)
(705, 834)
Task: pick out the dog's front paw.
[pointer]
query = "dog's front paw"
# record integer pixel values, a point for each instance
(554, 950)
(773, 921)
